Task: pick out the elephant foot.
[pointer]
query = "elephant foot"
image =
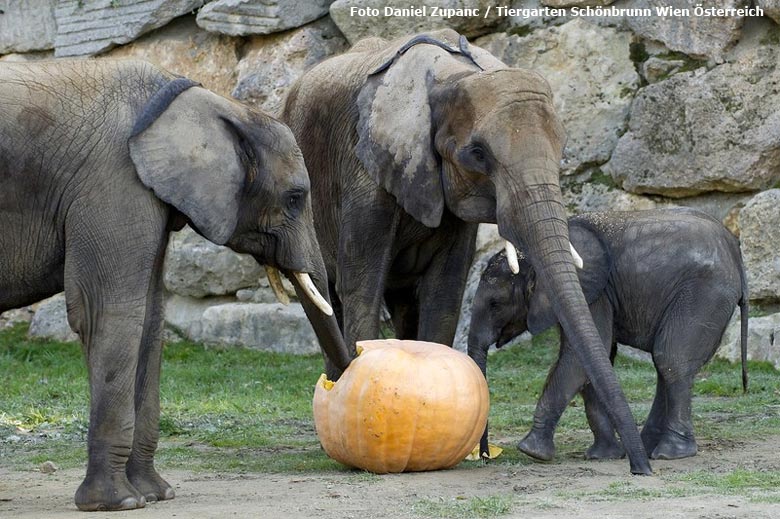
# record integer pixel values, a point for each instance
(108, 493)
(538, 445)
(150, 485)
(674, 446)
(605, 450)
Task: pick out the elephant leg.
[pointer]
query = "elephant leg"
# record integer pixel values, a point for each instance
(606, 445)
(564, 381)
(405, 311)
(688, 338)
(108, 280)
(365, 254)
(656, 419)
(140, 467)
(442, 286)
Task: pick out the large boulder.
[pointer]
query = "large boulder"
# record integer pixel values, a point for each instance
(599, 197)
(763, 339)
(759, 224)
(182, 48)
(716, 130)
(771, 8)
(196, 267)
(51, 321)
(96, 26)
(272, 63)
(247, 17)
(373, 21)
(697, 36)
(261, 326)
(592, 77)
(27, 25)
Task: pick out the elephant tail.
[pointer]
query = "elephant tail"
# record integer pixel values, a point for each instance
(743, 318)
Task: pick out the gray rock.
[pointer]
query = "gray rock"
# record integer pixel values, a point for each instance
(96, 26)
(196, 267)
(598, 197)
(183, 48)
(716, 130)
(49, 467)
(183, 315)
(655, 69)
(771, 8)
(272, 63)
(247, 17)
(18, 315)
(261, 326)
(759, 224)
(592, 77)
(51, 321)
(763, 339)
(27, 25)
(698, 36)
(362, 26)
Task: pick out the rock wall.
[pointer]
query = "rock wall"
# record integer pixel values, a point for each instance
(659, 112)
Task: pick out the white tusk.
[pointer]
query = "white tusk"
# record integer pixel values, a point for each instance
(577, 258)
(511, 257)
(275, 280)
(308, 287)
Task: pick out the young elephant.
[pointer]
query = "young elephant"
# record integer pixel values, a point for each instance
(99, 161)
(662, 281)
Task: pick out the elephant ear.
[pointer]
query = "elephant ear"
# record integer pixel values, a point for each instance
(396, 137)
(593, 276)
(188, 155)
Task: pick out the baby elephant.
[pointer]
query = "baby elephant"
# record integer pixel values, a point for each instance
(662, 281)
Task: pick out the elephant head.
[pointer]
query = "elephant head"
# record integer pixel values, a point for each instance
(457, 129)
(239, 178)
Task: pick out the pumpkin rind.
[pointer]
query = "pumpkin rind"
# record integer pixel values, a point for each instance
(402, 406)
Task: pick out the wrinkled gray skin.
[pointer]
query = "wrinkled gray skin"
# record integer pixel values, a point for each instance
(665, 282)
(87, 209)
(404, 164)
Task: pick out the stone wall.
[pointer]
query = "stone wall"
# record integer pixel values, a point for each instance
(659, 112)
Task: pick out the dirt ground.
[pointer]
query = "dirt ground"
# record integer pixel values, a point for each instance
(568, 489)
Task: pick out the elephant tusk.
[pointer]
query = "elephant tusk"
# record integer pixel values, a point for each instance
(511, 257)
(577, 258)
(275, 280)
(308, 287)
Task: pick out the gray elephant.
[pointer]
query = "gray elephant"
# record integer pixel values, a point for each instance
(99, 161)
(662, 281)
(409, 144)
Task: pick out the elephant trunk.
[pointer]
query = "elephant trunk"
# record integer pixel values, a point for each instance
(532, 216)
(477, 349)
(326, 328)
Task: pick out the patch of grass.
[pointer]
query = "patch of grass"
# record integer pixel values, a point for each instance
(761, 486)
(628, 491)
(461, 507)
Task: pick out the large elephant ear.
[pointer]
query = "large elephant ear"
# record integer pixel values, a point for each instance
(593, 276)
(395, 135)
(189, 157)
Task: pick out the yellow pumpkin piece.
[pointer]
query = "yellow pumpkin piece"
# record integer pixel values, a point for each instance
(494, 451)
(402, 406)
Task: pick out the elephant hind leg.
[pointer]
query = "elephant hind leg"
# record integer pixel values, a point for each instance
(404, 310)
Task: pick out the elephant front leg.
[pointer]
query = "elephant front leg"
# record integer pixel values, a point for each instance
(140, 466)
(365, 254)
(441, 288)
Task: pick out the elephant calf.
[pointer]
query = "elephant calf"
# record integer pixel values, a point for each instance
(662, 281)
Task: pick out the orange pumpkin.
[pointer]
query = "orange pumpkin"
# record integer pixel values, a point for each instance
(402, 406)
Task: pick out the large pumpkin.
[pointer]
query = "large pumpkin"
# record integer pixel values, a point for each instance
(402, 406)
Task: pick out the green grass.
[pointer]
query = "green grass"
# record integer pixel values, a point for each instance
(248, 411)
(462, 507)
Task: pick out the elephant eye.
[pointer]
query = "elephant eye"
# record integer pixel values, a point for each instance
(475, 157)
(294, 202)
(478, 153)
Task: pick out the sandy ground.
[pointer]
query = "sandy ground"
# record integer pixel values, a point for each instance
(567, 489)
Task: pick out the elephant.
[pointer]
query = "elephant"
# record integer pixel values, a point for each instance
(99, 161)
(663, 281)
(409, 145)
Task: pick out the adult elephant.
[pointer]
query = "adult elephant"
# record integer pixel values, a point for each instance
(99, 161)
(410, 143)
